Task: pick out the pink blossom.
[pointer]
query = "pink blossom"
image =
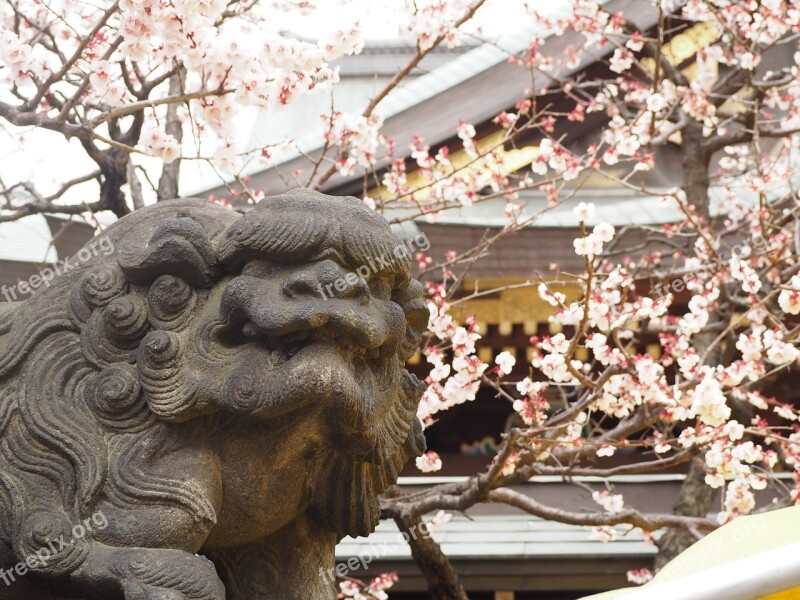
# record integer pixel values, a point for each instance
(505, 362)
(639, 576)
(160, 144)
(622, 60)
(611, 503)
(584, 211)
(429, 462)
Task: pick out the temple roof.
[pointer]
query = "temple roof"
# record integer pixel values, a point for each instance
(473, 87)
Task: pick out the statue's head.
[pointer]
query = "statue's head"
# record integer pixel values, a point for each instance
(301, 313)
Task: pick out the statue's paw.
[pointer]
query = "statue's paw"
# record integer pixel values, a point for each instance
(134, 590)
(148, 574)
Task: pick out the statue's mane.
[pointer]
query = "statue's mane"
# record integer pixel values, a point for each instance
(72, 421)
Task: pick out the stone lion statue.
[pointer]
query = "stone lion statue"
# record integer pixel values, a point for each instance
(203, 413)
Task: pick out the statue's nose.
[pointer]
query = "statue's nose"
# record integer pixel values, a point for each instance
(309, 297)
(324, 280)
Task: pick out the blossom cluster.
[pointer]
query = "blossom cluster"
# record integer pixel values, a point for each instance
(232, 55)
(356, 138)
(693, 399)
(450, 382)
(373, 590)
(448, 178)
(433, 19)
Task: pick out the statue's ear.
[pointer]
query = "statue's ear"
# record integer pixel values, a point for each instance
(412, 300)
(178, 247)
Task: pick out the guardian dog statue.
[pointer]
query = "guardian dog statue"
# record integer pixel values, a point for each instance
(222, 392)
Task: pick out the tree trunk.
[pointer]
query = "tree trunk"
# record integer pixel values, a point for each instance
(694, 500)
(135, 185)
(115, 175)
(443, 581)
(168, 183)
(695, 168)
(695, 497)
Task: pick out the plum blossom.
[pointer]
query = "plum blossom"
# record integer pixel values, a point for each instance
(106, 84)
(440, 321)
(789, 298)
(748, 61)
(466, 133)
(622, 60)
(786, 411)
(604, 232)
(551, 297)
(160, 143)
(591, 245)
(698, 314)
(584, 211)
(649, 372)
(505, 362)
(611, 503)
(433, 19)
(749, 344)
(343, 42)
(606, 450)
(528, 387)
(357, 138)
(708, 401)
(19, 60)
(226, 159)
(464, 341)
(726, 462)
(656, 102)
(555, 367)
(374, 590)
(734, 430)
(558, 344)
(429, 462)
(639, 576)
(440, 371)
(604, 533)
(744, 273)
(660, 446)
(539, 165)
(778, 351)
(739, 500)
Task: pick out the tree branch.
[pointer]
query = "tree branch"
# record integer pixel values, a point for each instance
(58, 75)
(629, 516)
(399, 76)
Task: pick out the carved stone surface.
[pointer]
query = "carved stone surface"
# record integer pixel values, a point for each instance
(203, 412)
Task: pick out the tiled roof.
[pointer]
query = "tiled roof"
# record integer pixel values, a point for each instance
(27, 240)
(492, 552)
(385, 58)
(616, 207)
(523, 254)
(492, 536)
(473, 87)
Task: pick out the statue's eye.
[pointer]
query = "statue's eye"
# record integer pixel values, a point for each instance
(380, 288)
(263, 269)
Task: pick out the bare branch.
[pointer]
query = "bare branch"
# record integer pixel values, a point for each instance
(629, 516)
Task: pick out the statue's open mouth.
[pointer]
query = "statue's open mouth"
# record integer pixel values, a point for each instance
(284, 348)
